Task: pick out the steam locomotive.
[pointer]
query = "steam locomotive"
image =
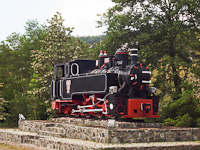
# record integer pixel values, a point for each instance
(109, 86)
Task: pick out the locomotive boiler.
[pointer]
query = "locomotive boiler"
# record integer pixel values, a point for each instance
(114, 86)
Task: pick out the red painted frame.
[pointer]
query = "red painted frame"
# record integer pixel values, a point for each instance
(135, 111)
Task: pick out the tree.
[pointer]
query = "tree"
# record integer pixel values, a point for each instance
(16, 71)
(35, 33)
(3, 114)
(58, 46)
(161, 29)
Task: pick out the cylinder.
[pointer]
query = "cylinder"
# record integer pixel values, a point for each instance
(134, 55)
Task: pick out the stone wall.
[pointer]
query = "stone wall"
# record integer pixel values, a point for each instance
(42, 142)
(65, 130)
(153, 135)
(14, 136)
(104, 123)
(104, 135)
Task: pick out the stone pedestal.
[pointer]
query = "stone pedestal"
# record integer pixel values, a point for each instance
(82, 134)
(86, 129)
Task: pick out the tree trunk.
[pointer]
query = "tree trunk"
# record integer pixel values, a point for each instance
(177, 82)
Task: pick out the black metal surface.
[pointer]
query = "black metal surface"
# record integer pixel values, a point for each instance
(84, 85)
(84, 77)
(119, 105)
(87, 84)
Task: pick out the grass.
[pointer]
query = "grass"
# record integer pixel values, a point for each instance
(4, 127)
(7, 126)
(12, 147)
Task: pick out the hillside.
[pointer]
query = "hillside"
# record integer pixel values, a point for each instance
(92, 39)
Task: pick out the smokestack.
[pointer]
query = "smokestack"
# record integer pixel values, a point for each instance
(133, 56)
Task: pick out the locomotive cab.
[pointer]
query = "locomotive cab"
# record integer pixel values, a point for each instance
(66, 70)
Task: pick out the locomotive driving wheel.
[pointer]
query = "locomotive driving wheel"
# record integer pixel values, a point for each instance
(113, 117)
(77, 115)
(88, 115)
(92, 105)
(100, 116)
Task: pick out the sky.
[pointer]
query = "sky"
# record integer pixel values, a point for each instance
(80, 14)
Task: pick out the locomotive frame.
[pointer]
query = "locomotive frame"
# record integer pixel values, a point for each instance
(110, 86)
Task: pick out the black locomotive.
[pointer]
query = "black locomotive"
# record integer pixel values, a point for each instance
(109, 86)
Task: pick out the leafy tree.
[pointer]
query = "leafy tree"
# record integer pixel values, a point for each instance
(35, 33)
(187, 109)
(194, 76)
(58, 46)
(3, 114)
(25, 77)
(16, 71)
(94, 45)
(161, 29)
(194, 79)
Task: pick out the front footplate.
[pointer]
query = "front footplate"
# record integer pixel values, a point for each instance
(140, 108)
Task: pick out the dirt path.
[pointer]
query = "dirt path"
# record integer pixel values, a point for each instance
(12, 147)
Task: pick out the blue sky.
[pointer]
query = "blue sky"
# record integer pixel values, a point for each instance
(80, 14)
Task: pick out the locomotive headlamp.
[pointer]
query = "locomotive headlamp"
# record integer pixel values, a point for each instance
(111, 106)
